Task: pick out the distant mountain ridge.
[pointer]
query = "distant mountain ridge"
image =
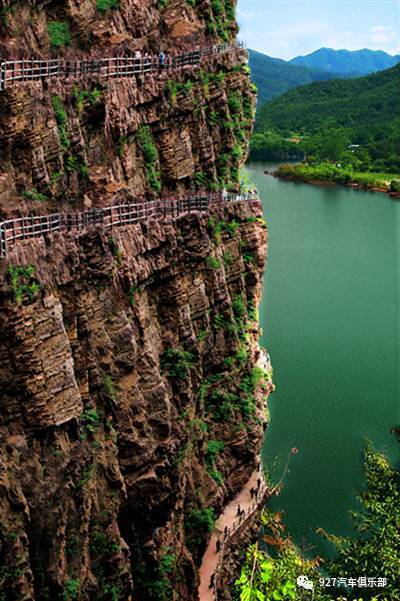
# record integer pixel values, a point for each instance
(274, 76)
(347, 62)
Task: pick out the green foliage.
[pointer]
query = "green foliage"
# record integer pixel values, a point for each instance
(91, 420)
(102, 545)
(328, 172)
(73, 163)
(201, 520)
(273, 77)
(202, 335)
(219, 228)
(59, 34)
(200, 179)
(272, 146)
(228, 258)
(23, 283)
(326, 117)
(151, 160)
(239, 306)
(115, 249)
(62, 120)
(213, 448)
(213, 262)
(235, 102)
(376, 548)
(82, 96)
(176, 363)
(159, 587)
(394, 185)
(266, 577)
(34, 195)
(221, 404)
(105, 5)
(109, 386)
(133, 292)
(71, 589)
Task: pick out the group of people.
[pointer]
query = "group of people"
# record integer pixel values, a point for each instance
(165, 61)
(239, 513)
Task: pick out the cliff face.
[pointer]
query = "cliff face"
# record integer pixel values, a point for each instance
(77, 141)
(130, 404)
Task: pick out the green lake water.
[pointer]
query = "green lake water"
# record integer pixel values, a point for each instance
(330, 317)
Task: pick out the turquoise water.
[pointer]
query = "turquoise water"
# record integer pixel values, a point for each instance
(330, 319)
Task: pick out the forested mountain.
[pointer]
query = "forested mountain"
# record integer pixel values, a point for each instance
(274, 76)
(347, 62)
(329, 116)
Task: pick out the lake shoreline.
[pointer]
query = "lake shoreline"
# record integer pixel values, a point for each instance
(329, 183)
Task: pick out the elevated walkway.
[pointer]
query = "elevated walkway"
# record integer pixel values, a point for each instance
(13, 231)
(13, 72)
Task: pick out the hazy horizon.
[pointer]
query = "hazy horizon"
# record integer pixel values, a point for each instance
(321, 48)
(289, 28)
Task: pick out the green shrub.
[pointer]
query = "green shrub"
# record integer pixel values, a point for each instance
(213, 262)
(59, 33)
(62, 120)
(221, 404)
(151, 160)
(202, 335)
(228, 258)
(216, 476)
(71, 589)
(162, 4)
(104, 5)
(201, 520)
(23, 283)
(176, 363)
(91, 420)
(213, 448)
(201, 179)
(34, 195)
(239, 306)
(235, 103)
(109, 386)
(394, 185)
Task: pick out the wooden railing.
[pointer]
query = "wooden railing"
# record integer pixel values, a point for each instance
(13, 231)
(15, 71)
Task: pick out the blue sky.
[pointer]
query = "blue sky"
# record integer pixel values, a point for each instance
(287, 28)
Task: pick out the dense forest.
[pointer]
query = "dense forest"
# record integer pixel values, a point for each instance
(323, 119)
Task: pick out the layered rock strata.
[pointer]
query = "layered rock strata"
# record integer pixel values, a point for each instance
(131, 407)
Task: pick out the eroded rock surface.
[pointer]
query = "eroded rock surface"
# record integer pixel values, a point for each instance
(131, 407)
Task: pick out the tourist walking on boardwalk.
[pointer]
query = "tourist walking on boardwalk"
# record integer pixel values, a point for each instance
(218, 546)
(238, 511)
(212, 581)
(161, 59)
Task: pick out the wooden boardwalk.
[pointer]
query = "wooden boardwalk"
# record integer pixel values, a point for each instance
(13, 72)
(15, 230)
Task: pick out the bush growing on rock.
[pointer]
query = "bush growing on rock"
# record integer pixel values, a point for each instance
(59, 34)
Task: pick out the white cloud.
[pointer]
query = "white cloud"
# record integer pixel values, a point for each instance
(245, 15)
(381, 35)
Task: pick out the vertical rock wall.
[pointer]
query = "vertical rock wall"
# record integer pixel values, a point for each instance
(130, 405)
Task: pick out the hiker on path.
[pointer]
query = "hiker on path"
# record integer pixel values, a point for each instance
(212, 581)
